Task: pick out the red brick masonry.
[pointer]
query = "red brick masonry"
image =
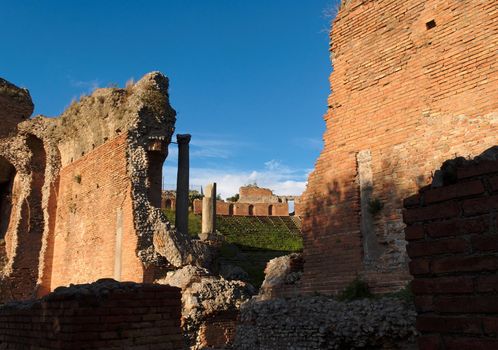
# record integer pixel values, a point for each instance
(102, 315)
(453, 244)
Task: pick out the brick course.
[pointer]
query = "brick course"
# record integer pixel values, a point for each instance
(410, 96)
(120, 316)
(455, 261)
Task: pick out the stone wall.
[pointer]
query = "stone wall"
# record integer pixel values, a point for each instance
(318, 322)
(80, 195)
(246, 209)
(89, 238)
(453, 243)
(103, 315)
(414, 83)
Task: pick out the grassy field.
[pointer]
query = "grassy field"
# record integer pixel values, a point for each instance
(250, 242)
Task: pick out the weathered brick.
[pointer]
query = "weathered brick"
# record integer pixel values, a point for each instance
(435, 211)
(486, 243)
(487, 283)
(446, 324)
(483, 167)
(494, 183)
(456, 227)
(480, 205)
(424, 303)
(466, 304)
(414, 232)
(443, 285)
(465, 264)
(461, 343)
(429, 342)
(458, 190)
(444, 246)
(419, 266)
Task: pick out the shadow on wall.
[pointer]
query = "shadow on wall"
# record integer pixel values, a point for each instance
(355, 229)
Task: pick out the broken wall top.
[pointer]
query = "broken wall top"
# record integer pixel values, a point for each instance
(16, 106)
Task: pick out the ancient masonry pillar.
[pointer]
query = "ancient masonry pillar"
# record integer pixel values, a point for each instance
(208, 211)
(182, 183)
(371, 248)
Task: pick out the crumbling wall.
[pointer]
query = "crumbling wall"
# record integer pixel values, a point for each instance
(318, 322)
(243, 209)
(102, 315)
(452, 229)
(94, 233)
(414, 83)
(83, 190)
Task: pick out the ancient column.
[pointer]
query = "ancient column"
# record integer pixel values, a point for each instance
(208, 211)
(182, 183)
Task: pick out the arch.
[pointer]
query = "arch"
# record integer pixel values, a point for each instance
(230, 209)
(270, 210)
(7, 175)
(251, 210)
(167, 203)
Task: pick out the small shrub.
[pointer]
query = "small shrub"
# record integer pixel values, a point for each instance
(375, 206)
(77, 178)
(404, 294)
(357, 289)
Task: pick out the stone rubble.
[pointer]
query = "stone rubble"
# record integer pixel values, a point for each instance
(319, 322)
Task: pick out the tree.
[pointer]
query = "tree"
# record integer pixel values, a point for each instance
(234, 198)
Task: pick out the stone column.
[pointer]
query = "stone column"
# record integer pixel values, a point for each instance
(208, 211)
(182, 183)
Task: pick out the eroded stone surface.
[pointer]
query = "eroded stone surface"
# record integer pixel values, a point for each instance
(309, 323)
(205, 296)
(81, 189)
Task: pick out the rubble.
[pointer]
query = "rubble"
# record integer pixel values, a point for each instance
(319, 322)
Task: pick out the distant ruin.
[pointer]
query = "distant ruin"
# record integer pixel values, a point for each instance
(254, 201)
(414, 84)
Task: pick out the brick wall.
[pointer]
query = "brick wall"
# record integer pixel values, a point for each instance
(242, 209)
(104, 315)
(407, 95)
(218, 331)
(453, 243)
(94, 235)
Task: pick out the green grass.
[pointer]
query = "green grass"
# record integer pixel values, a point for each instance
(261, 233)
(194, 221)
(250, 242)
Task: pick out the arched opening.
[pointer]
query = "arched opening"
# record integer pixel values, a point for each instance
(251, 210)
(167, 204)
(270, 210)
(31, 225)
(291, 207)
(156, 157)
(230, 209)
(7, 175)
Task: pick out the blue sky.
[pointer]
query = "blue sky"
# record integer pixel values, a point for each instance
(249, 79)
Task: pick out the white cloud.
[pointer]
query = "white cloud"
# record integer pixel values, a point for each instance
(274, 175)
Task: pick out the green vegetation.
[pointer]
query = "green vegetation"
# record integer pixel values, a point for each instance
(194, 221)
(266, 233)
(357, 289)
(375, 205)
(404, 294)
(250, 242)
(234, 198)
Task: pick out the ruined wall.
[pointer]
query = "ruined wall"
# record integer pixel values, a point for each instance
(246, 209)
(16, 106)
(81, 194)
(414, 83)
(94, 231)
(453, 243)
(103, 315)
